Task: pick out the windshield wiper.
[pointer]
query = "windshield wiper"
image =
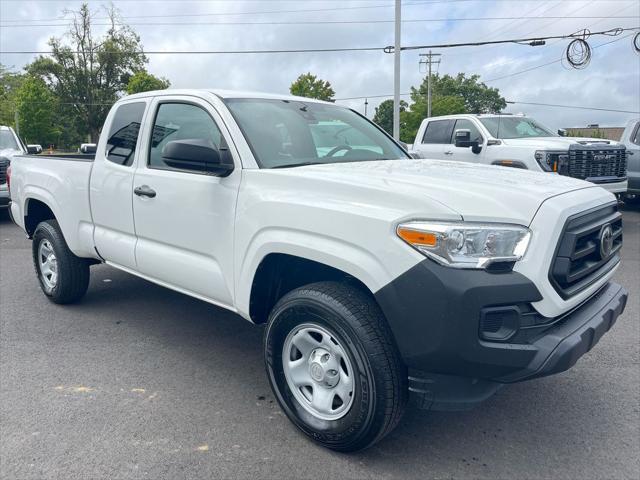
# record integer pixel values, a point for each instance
(300, 164)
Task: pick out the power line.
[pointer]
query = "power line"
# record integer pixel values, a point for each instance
(262, 12)
(388, 49)
(610, 32)
(555, 105)
(550, 63)
(335, 22)
(579, 107)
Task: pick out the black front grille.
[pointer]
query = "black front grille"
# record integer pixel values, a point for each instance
(579, 259)
(4, 163)
(597, 163)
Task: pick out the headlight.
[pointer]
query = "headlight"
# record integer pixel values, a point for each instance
(552, 161)
(466, 244)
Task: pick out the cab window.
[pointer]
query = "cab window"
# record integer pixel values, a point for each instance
(438, 131)
(123, 133)
(181, 121)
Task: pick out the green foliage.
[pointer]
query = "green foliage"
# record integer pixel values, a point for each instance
(37, 108)
(450, 96)
(310, 86)
(411, 119)
(89, 73)
(384, 115)
(10, 82)
(143, 81)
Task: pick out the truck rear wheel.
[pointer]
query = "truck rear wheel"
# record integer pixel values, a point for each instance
(63, 277)
(333, 365)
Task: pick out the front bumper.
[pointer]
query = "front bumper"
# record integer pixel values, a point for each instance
(435, 314)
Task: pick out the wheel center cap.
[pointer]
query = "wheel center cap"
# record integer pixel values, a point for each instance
(317, 372)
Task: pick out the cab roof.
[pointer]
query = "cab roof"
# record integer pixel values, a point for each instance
(224, 94)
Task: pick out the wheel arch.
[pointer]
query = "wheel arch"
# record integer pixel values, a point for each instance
(36, 210)
(279, 273)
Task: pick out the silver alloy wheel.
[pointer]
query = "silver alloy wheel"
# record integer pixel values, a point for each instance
(318, 372)
(48, 265)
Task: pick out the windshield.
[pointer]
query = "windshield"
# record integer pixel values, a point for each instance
(283, 133)
(515, 127)
(7, 140)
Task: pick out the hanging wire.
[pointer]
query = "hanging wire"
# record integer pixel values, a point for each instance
(636, 42)
(578, 52)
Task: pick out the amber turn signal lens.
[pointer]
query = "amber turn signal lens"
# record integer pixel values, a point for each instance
(414, 237)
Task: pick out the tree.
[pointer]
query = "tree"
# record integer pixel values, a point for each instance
(10, 82)
(310, 86)
(37, 109)
(384, 114)
(91, 72)
(410, 119)
(449, 96)
(478, 98)
(143, 81)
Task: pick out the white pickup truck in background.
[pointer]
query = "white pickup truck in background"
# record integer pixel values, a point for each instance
(376, 274)
(521, 142)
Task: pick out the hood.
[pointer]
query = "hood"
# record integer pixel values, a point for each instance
(475, 192)
(555, 143)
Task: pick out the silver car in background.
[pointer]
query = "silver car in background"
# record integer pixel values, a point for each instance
(631, 139)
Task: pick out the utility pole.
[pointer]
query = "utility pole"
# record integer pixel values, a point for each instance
(396, 72)
(365, 106)
(429, 61)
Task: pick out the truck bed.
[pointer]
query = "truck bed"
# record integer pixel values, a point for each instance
(61, 182)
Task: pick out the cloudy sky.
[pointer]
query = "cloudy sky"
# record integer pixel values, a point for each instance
(611, 81)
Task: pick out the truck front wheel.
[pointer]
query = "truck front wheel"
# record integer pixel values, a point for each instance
(63, 277)
(334, 367)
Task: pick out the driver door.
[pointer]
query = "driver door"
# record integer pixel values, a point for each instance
(185, 229)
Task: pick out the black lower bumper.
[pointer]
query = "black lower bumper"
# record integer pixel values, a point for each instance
(560, 347)
(436, 316)
(5, 200)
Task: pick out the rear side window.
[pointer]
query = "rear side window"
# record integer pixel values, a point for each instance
(464, 124)
(123, 134)
(438, 131)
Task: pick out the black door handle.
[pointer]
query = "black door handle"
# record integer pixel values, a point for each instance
(144, 191)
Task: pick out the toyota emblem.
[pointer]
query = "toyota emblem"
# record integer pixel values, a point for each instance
(606, 241)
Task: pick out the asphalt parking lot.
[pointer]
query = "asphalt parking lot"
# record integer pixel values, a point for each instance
(140, 382)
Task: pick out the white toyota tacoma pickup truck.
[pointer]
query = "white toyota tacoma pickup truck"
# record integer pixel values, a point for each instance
(521, 142)
(377, 275)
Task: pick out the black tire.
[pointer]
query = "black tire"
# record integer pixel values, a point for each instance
(72, 271)
(355, 320)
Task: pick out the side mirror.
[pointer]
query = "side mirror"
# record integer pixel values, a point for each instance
(463, 140)
(198, 155)
(88, 148)
(34, 149)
